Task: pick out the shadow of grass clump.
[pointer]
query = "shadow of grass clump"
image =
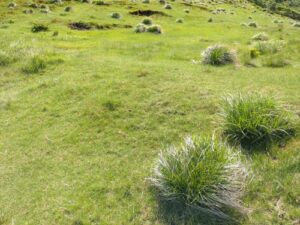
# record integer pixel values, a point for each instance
(177, 212)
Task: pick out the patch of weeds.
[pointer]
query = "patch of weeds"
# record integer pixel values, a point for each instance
(35, 65)
(255, 122)
(201, 181)
(218, 55)
(39, 28)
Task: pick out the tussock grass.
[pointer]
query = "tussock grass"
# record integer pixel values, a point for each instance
(156, 29)
(218, 55)
(203, 178)
(255, 122)
(147, 21)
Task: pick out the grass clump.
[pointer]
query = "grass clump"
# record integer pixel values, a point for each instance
(252, 24)
(218, 55)
(255, 122)
(116, 15)
(202, 179)
(260, 37)
(179, 20)
(156, 29)
(168, 6)
(39, 28)
(36, 65)
(140, 28)
(147, 21)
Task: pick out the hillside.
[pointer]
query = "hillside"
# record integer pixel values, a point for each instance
(290, 8)
(87, 104)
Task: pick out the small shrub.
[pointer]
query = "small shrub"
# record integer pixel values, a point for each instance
(146, 1)
(167, 6)
(218, 55)
(147, 21)
(154, 29)
(116, 15)
(186, 10)
(255, 122)
(36, 65)
(140, 28)
(210, 20)
(252, 24)
(162, 1)
(260, 37)
(254, 53)
(179, 20)
(203, 178)
(39, 28)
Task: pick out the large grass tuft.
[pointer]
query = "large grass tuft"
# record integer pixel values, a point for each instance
(255, 122)
(202, 179)
(218, 55)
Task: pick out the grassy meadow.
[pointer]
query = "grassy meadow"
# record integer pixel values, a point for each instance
(84, 113)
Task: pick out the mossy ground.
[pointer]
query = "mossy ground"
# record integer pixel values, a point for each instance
(79, 138)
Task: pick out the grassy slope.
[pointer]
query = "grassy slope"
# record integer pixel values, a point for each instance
(78, 140)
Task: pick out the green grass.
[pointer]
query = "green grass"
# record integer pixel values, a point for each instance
(79, 140)
(201, 181)
(255, 122)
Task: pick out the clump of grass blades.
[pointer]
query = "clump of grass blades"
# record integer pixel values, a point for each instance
(202, 179)
(35, 65)
(218, 55)
(255, 122)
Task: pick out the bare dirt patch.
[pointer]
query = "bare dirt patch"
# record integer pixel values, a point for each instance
(148, 13)
(94, 26)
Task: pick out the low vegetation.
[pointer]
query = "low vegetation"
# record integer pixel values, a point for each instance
(255, 122)
(218, 55)
(203, 179)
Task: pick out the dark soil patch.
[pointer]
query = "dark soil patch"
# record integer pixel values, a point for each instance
(147, 13)
(91, 26)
